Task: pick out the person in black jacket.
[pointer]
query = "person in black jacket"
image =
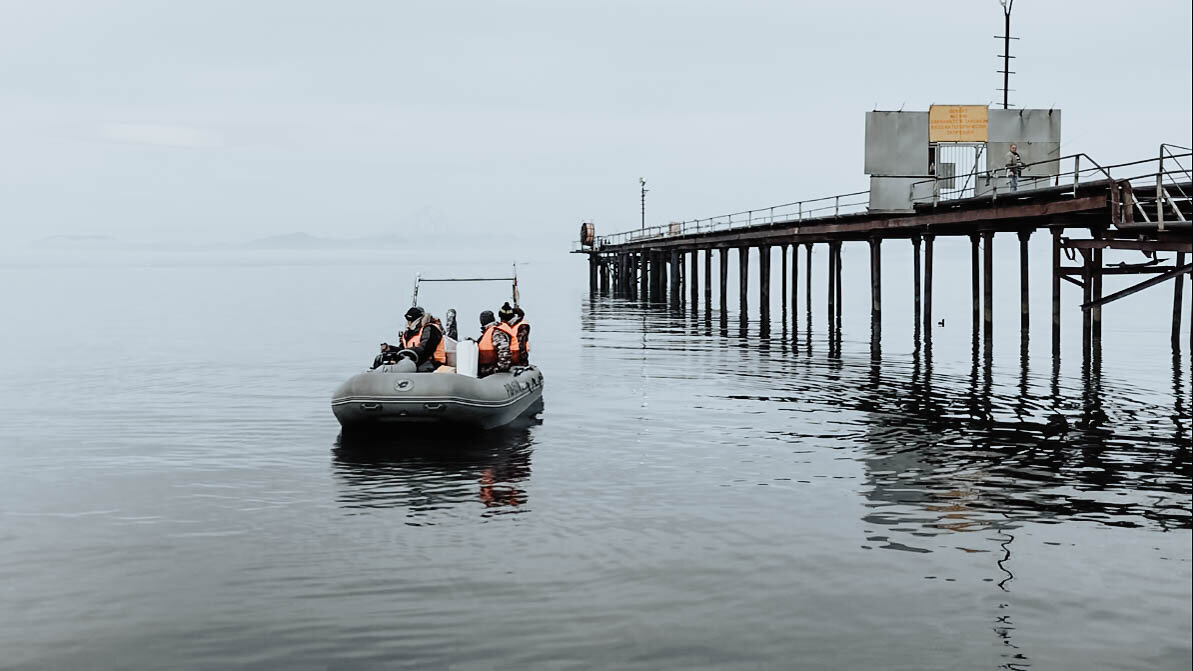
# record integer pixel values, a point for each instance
(424, 338)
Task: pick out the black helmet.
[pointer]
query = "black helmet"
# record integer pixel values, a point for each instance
(487, 318)
(414, 313)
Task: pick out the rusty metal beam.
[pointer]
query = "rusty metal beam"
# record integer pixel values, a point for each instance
(1138, 245)
(1113, 270)
(1150, 282)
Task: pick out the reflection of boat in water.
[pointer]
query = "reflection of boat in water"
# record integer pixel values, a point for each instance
(453, 395)
(424, 472)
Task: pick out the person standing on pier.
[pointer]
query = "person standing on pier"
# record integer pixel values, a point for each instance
(1014, 165)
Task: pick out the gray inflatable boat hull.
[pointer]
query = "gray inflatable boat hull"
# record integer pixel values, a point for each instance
(375, 399)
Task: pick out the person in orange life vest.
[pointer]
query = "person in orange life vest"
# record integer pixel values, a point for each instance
(522, 335)
(493, 348)
(424, 338)
(508, 318)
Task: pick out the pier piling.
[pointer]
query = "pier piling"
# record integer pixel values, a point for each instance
(743, 285)
(783, 277)
(643, 277)
(1024, 286)
(875, 288)
(663, 274)
(840, 303)
(764, 283)
(808, 287)
(1056, 233)
(794, 289)
(1177, 300)
(633, 278)
(975, 283)
(831, 288)
(917, 308)
(1087, 283)
(724, 270)
(1096, 311)
(988, 289)
(928, 240)
(676, 286)
(708, 279)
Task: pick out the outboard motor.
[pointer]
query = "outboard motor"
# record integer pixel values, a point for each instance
(449, 324)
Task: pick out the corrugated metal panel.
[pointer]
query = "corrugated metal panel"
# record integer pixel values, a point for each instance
(945, 172)
(891, 194)
(1023, 125)
(896, 143)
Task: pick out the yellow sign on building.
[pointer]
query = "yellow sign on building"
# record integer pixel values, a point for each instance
(957, 123)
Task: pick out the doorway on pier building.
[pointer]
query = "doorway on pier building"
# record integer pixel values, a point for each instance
(957, 165)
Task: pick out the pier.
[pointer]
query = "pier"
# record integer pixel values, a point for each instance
(1085, 208)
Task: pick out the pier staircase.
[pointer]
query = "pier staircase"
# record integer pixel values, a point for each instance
(1169, 203)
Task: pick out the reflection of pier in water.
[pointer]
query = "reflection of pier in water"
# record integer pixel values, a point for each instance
(956, 462)
(946, 458)
(425, 474)
(956, 452)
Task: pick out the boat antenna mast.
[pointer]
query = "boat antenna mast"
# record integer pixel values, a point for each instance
(515, 290)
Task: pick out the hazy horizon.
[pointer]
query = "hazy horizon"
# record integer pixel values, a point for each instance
(225, 123)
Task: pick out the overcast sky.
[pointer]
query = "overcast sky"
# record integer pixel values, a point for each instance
(225, 121)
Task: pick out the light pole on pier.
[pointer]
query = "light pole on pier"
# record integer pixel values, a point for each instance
(642, 183)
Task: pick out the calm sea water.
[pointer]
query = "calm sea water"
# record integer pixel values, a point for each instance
(695, 493)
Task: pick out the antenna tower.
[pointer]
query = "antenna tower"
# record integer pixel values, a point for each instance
(1006, 50)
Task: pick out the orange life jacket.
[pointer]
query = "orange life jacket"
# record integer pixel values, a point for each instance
(486, 353)
(440, 355)
(515, 346)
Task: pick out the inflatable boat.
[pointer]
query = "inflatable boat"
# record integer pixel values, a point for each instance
(392, 394)
(453, 396)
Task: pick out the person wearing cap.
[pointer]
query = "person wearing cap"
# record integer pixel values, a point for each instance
(522, 335)
(513, 322)
(493, 348)
(505, 319)
(423, 337)
(388, 355)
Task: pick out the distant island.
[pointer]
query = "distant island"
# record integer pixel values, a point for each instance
(297, 241)
(104, 242)
(303, 241)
